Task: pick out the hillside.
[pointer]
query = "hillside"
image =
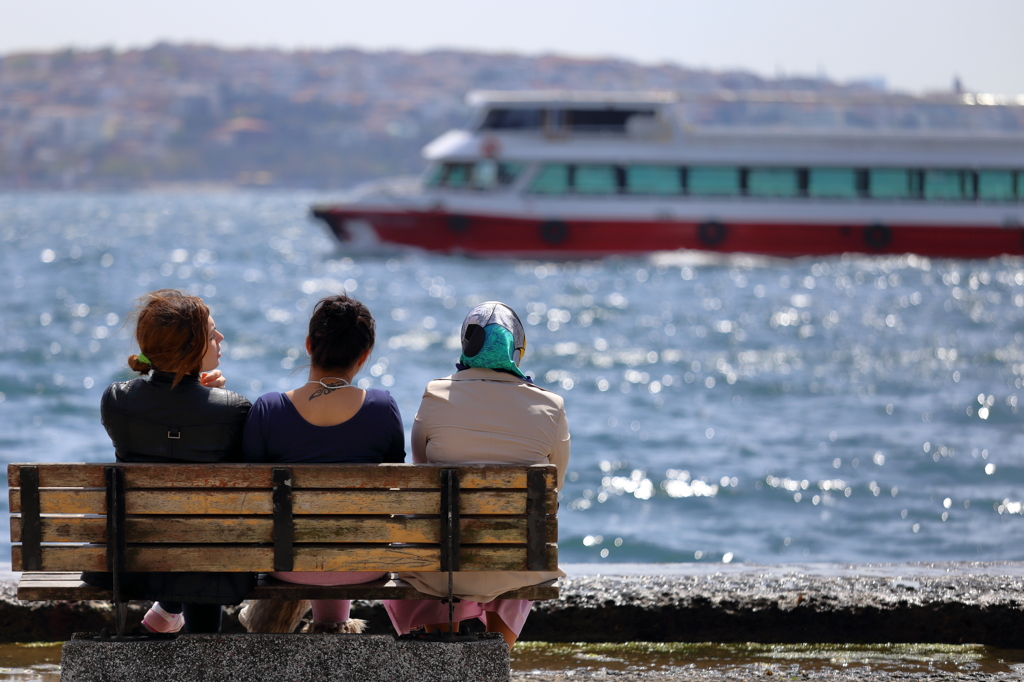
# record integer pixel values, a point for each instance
(328, 119)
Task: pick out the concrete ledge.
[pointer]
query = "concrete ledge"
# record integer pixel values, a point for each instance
(279, 658)
(853, 604)
(968, 602)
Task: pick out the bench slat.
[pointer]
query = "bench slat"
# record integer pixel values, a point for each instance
(360, 476)
(356, 502)
(68, 586)
(253, 529)
(184, 558)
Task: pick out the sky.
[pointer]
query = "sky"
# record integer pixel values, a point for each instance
(915, 45)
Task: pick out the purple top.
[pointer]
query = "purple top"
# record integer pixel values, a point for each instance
(276, 432)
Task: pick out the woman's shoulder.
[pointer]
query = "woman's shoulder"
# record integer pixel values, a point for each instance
(492, 382)
(378, 398)
(117, 393)
(270, 402)
(229, 398)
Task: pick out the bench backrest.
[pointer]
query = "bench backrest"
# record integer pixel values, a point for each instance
(268, 517)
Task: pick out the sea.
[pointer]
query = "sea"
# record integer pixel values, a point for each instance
(723, 408)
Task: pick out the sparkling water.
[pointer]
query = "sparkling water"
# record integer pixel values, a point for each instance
(722, 408)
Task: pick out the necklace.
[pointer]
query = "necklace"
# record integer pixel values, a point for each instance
(330, 387)
(327, 389)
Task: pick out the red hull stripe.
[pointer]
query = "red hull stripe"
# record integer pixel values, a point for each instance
(502, 235)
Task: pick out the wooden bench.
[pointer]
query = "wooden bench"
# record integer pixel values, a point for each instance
(69, 518)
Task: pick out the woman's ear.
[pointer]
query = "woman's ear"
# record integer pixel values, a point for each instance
(309, 346)
(364, 357)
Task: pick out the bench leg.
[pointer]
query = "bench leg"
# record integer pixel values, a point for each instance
(116, 540)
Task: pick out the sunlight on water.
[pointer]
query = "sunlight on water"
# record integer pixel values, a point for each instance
(735, 408)
(765, 659)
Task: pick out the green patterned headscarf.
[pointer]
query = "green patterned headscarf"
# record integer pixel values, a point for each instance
(493, 338)
(497, 352)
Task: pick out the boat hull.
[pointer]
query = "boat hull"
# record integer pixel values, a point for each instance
(493, 235)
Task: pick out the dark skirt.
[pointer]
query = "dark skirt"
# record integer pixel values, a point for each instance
(188, 588)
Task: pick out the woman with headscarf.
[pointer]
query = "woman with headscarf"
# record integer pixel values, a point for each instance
(488, 412)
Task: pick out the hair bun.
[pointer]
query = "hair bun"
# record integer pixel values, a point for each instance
(341, 329)
(137, 365)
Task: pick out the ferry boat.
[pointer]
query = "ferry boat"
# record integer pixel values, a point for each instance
(592, 174)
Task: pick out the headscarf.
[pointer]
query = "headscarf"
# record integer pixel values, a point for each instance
(493, 338)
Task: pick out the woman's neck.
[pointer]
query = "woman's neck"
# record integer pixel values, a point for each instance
(319, 374)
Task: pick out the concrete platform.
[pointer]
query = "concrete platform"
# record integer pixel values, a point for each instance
(283, 658)
(964, 602)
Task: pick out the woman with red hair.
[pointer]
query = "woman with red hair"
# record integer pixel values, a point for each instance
(177, 411)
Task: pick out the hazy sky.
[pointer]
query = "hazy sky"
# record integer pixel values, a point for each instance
(915, 45)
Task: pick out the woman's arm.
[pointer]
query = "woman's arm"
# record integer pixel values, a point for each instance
(419, 442)
(254, 440)
(419, 432)
(560, 451)
(114, 420)
(236, 429)
(396, 452)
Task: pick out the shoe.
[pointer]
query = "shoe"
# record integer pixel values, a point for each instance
(158, 620)
(353, 626)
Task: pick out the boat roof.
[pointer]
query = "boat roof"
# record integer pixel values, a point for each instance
(584, 98)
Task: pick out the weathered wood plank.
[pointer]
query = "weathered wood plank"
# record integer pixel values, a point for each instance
(182, 558)
(68, 586)
(252, 529)
(503, 558)
(254, 502)
(206, 476)
(64, 501)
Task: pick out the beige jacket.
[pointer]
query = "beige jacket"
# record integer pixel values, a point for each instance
(480, 416)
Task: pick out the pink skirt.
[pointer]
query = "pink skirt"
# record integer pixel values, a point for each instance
(411, 614)
(329, 610)
(328, 578)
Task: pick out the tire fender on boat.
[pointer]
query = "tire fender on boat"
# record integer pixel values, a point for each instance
(877, 236)
(712, 233)
(459, 224)
(554, 231)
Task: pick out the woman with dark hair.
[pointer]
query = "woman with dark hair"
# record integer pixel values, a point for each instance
(177, 412)
(488, 412)
(325, 420)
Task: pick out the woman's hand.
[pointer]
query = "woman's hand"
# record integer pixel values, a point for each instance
(213, 379)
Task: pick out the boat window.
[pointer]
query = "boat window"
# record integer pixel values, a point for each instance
(513, 119)
(948, 184)
(713, 180)
(773, 182)
(653, 180)
(552, 179)
(484, 174)
(602, 120)
(457, 175)
(433, 175)
(998, 185)
(595, 179)
(889, 183)
(508, 172)
(832, 182)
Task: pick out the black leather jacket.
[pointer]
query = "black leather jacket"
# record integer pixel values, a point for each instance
(148, 421)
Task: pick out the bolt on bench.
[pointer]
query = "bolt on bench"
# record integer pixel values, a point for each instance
(259, 518)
